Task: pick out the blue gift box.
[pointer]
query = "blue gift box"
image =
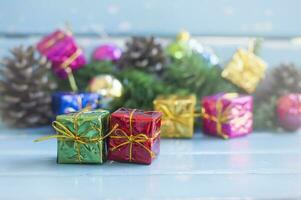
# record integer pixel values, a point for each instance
(66, 102)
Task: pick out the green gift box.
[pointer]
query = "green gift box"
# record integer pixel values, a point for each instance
(81, 136)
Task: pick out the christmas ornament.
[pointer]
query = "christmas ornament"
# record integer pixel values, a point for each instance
(227, 115)
(137, 136)
(60, 48)
(183, 36)
(106, 85)
(107, 52)
(289, 112)
(245, 70)
(92, 69)
(143, 53)
(180, 48)
(184, 46)
(279, 81)
(208, 55)
(178, 115)
(25, 88)
(81, 136)
(66, 102)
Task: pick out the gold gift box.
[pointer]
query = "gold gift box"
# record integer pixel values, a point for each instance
(178, 115)
(245, 70)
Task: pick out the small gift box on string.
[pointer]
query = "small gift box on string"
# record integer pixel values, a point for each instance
(178, 115)
(60, 48)
(245, 69)
(66, 102)
(137, 136)
(227, 115)
(81, 136)
(289, 111)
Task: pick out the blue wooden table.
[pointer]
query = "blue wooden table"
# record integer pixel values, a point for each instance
(260, 166)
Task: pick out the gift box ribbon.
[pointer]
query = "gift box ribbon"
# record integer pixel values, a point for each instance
(245, 70)
(168, 115)
(69, 60)
(222, 116)
(131, 139)
(64, 133)
(66, 67)
(60, 36)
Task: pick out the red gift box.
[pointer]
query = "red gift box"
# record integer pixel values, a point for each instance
(136, 137)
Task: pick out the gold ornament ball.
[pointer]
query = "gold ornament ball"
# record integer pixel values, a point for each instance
(106, 85)
(183, 36)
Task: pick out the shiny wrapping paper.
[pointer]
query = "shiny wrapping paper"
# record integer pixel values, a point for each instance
(106, 85)
(289, 111)
(227, 115)
(107, 52)
(85, 133)
(245, 70)
(66, 102)
(137, 137)
(60, 48)
(178, 115)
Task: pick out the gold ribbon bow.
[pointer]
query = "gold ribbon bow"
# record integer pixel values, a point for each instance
(52, 41)
(68, 61)
(168, 115)
(66, 66)
(245, 70)
(131, 139)
(64, 133)
(221, 116)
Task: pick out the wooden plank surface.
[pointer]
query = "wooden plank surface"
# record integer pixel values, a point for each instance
(261, 166)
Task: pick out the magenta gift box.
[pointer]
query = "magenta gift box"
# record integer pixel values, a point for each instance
(227, 115)
(61, 49)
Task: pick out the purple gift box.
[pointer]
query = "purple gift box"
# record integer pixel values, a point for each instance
(60, 48)
(227, 115)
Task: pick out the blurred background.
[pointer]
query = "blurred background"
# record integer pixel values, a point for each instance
(221, 24)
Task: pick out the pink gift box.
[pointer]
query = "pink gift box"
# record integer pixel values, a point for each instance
(227, 115)
(60, 48)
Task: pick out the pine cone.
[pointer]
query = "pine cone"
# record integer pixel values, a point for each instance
(25, 89)
(280, 81)
(144, 53)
